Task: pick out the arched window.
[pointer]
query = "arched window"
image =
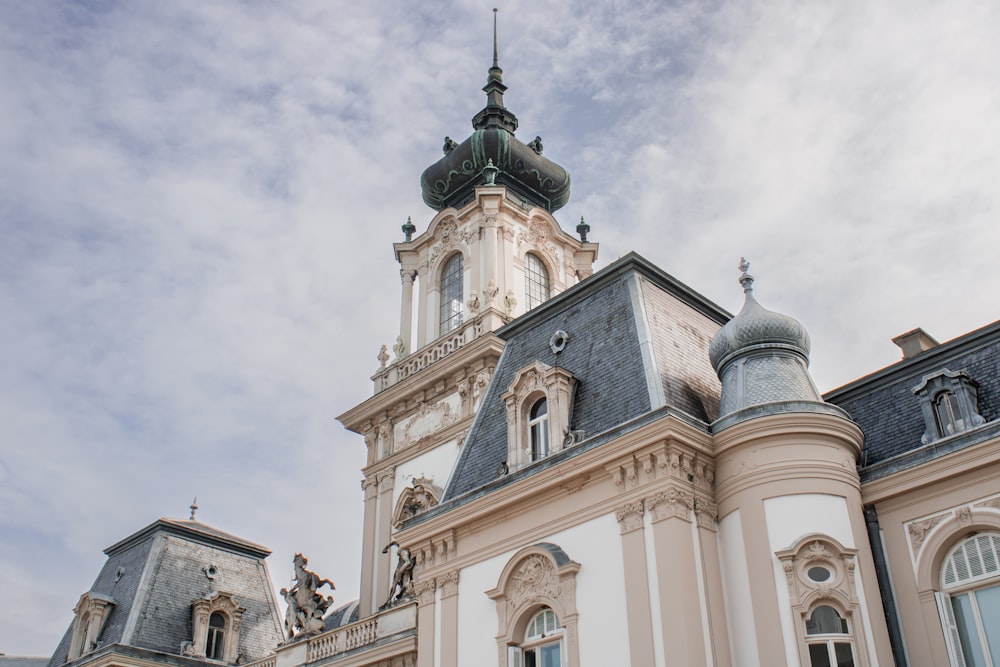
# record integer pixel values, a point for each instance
(542, 645)
(948, 414)
(828, 638)
(215, 646)
(81, 647)
(536, 281)
(538, 428)
(971, 580)
(451, 294)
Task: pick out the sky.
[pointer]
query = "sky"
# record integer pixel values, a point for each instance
(198, 202)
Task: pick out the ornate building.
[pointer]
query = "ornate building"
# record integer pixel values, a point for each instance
(567, 469)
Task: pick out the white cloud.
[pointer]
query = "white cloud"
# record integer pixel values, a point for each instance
(199, 202)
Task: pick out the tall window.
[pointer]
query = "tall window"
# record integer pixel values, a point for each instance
(971, 580)
(81, 646)
(451, 294)
(536, 281)
(948, 414)
(828, 638)
(215, 646)
(542, 646)
(538, 428)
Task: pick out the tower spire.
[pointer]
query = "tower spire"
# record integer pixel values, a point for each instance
(495, 115)
(496, 59)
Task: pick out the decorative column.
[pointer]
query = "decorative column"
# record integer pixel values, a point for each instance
(706, 516)
(448, 585)
(640, 629)
(425, 592)
(680, 605)
(406, 310)
(383, 573)
(490, 252)
(368, 602)
(423, 303)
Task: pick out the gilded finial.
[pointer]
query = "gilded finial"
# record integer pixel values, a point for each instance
(745, 278)
(194, 507)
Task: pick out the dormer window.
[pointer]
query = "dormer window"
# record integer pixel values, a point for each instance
(539, 408)
(92, 612)
(538, 428)
(536, 281)
(949, 401)
(216, 641)
(451, 294)
(216, 620)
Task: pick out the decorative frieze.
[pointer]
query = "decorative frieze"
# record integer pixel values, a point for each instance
(435, 551)
(706, 514)
(664, 461)
(918, 530)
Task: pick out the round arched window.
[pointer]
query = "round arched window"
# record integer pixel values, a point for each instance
(542, 645)
(971, 581)
(215, 646)
(451, 294)
(536, 281)
(538, 429)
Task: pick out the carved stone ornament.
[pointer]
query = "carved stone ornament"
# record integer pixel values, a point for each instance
(399, 348)
(630, 517)
(424, 590)
(473, 303)
(964, 516)
(306, 606)
(421, 495)
(671, 503)
(383, 356)
(491, 292)
(918, 530)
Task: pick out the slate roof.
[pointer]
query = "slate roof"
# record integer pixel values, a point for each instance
(22, 661)
(884, 406)
(638, 348)
(155, 574)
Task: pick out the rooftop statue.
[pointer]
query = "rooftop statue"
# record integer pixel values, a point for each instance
(402, 578)
(306, 606)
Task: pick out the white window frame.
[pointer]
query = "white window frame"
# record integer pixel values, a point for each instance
(953, 586)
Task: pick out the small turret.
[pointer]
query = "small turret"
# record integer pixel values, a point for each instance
(762, 359)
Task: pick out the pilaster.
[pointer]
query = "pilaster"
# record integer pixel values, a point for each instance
(637, 603)
(386, 481)
(448, 585)
(367, 602)
(672, 512)
(426, 630)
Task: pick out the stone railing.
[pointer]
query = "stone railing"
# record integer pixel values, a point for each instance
(362, 633)
(488, 320)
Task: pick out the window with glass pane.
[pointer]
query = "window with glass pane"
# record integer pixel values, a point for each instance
(543, 641)
(948, 413)
(971, 577)
(451, 294)
(214, 647)
(536, 281)
(828, 639)
(538, 428)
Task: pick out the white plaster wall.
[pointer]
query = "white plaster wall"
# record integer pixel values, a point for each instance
(434, 464)
(600, 597)
(477, 616)
(788, 519)
(736, 591)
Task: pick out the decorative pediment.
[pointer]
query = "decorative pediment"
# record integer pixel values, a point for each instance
(420, 496)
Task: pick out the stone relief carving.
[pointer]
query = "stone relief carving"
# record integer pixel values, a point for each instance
(401, 589)
(630, 516)
(964, 516)
(533, 577)
(509, 304)
(992, 502)
(491, 292)
(420, 496)
(671, 503)
(473, 303)
(306, 606)
(918, 530)
(424, 591)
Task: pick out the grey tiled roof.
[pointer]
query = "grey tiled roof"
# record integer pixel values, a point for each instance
(22, 661)
(884, 406)
(155, 574)
(606, 356)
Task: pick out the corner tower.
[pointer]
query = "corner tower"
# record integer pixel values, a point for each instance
(492, 252)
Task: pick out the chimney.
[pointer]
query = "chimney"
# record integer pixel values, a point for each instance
(914, 342)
